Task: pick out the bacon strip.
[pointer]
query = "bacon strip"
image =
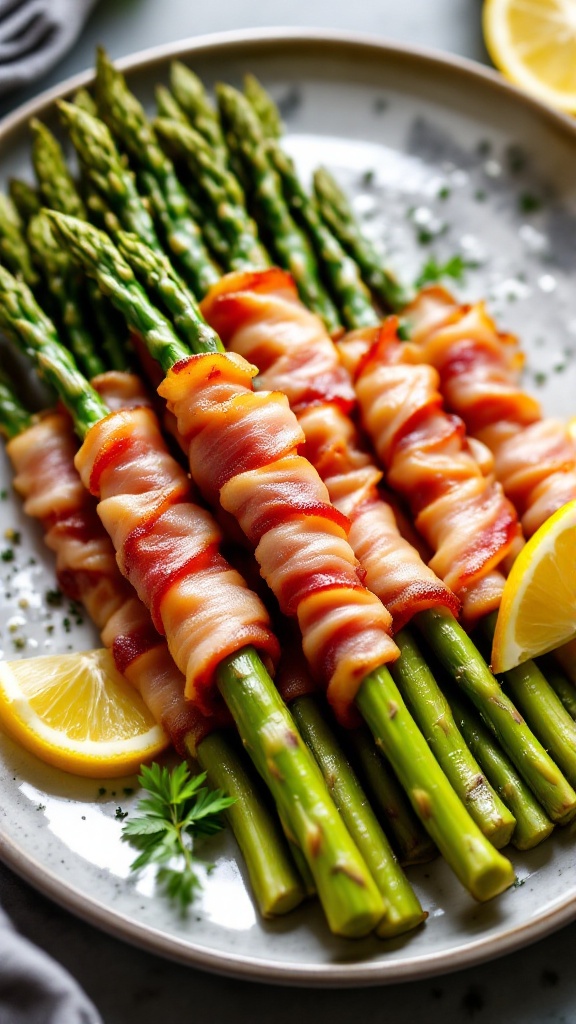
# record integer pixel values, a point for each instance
(42, 457)
(167, 546)
(534, 458)
(462, 514)
(242, 451)
(260, 317)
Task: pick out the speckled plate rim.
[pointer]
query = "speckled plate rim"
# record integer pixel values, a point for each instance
(117, 924)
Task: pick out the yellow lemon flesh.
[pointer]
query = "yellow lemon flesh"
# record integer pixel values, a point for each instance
(76, 712)
(538, 609)
(534, 43)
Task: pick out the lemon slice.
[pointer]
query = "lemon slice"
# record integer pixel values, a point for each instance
(534, 43)
(77, 712)
(538, 609)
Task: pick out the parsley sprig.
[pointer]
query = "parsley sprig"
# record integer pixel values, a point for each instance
(454, 267)
(177, 810)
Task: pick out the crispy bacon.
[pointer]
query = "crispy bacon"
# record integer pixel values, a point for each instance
(462, 514)
(88, 572)
(260, 317)
(242, 451)
(534, 458)
(167, 546)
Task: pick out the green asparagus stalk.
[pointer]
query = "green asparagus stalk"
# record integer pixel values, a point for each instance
(85, 101)
(543, 709)
(338, 215)
(473, 859)
(59, 191)
(14, 417)
(342, 273)
(126, 119)
(410, 839)
(350, 898)
(221, 190)
(560, 683)
(289, 243)
(14, 251)
(432, 712)
(532, 825)
(275, 882)
(25, 199)
(191, 97)
(461, 659)
(404, 911)
(63, 283)
(167, 105)
(102, 164)
(264, 107)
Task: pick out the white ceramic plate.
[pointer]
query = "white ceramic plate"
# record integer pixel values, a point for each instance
(442, 158)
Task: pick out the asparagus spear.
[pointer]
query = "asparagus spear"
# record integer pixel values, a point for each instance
(350, 898)
(432, 712)
(532, 825)
(103, 166)
(410, 839)
(264, 107)
(168, 106)
(560, 683)
(461, 659)
(290, 245)
(14, 417)
(337, 212)
(61, 278)
(191, 97)
(542, 707)
(14, 251)
(222, 191)
(474, 860)
(25, 199)
(59, 192)
(126, 119)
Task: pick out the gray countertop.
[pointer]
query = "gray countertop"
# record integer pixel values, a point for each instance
(533, 986)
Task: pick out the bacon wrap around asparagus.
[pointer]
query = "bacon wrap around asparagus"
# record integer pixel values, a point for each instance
(168, 547)
(463, 515)
(43, 460)
(261, 317)
(242, 451)
(535, 458)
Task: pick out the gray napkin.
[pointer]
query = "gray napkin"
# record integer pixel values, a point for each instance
(34, 34)
(34, 989)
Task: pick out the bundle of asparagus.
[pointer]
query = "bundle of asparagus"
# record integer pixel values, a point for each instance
(231, 234)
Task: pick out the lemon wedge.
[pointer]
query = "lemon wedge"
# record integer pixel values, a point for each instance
(76, 712)
(538, 609)
(534, 43)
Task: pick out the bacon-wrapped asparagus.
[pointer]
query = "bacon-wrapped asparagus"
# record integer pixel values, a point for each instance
(350, 898)
(42, 454)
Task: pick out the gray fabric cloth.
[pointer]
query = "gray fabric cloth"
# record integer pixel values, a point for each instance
(34, 34)
(34, 989)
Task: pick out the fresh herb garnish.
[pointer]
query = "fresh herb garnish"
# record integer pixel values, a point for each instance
(433, 271)
(177, 810)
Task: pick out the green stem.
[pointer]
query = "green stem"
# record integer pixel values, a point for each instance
(350, 898)
(403, 910)
(125, 116)
(289, 243)
(264, 107)
(352, 297)
(14, 417)
(25, 199)
(460, 658)
(532, 825)
(542, 708)
(480, 868)
(192, 99)
(275, 882)
(408, 836)
(337, 212)
(14, 251)
(434, 717)
(563, 687)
